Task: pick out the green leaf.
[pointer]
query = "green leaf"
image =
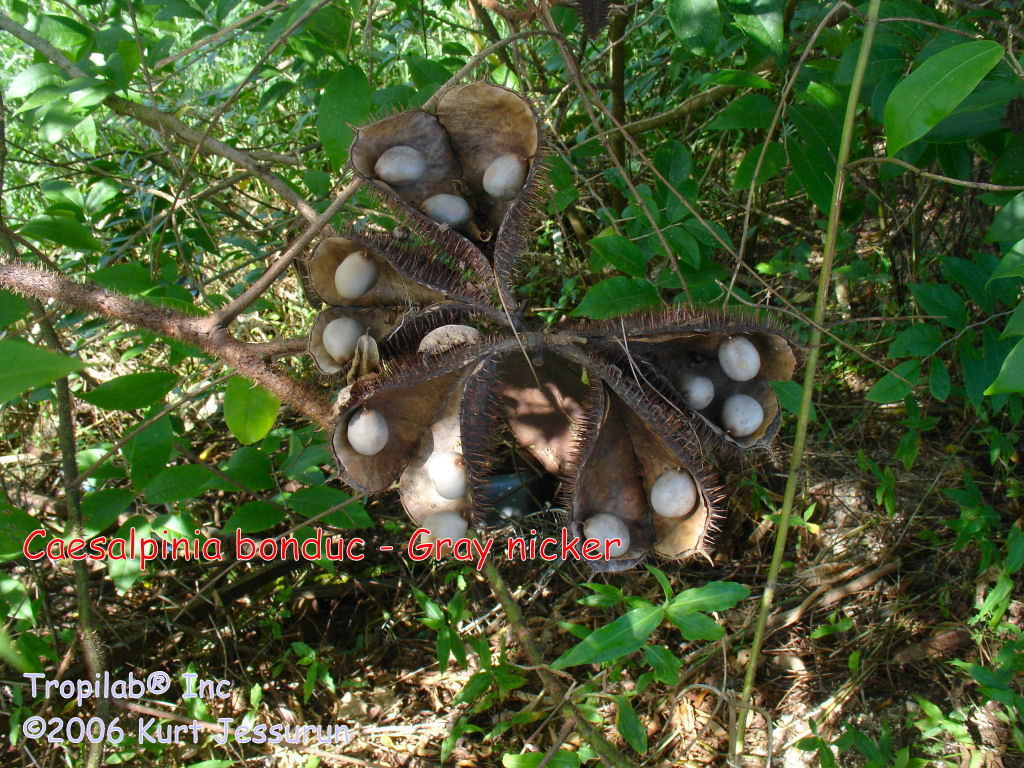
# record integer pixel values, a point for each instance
(938, 380)
(626, 634)
(891, 388)
(30, 80)
(774, 159)
(345, 102)
(101, 508)
(251, 468)
(617, 296)
(249, 410)
(1011, 375)
(148, 452)
(918, 340)
(629, 725)
(713, 596)
(61, 230)
(750, 111)
(15, 526)
(313, 502)
(942, 302)
(762, 22)
(790, 393)
(127, 278)
(738, 78)
(621, 253)
(24, 367)
(1012, 263)
(664, 663)
(131, 391)
(178, 483)
(812, 151)
(563, 758)
(12, 308)
(254, 516)
(1015, 325)
(697, 627)
(934, 89)
(1008, 224)
(697, 24)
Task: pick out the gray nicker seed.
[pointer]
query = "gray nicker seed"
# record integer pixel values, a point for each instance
(367, 432)
(674, 494)
(447, 209)
(340, 337)
(699, 391)
(400, 165)
(603, 527)
(505, 176)
(742, 415)
(356, 274)
(739, 359)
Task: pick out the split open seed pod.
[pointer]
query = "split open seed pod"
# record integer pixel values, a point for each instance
(351, 272)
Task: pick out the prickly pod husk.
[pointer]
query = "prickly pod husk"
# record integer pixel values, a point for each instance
(440, 378)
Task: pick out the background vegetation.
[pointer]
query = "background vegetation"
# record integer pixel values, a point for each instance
(181, 154)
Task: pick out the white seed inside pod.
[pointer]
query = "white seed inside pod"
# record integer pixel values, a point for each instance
(739, 359)
(674, 494)
(741, 415)
(447, 471)
(400, 165)
(367, 432)
(698, 390)
(447, 209)
(444, 525)
(356, 274)
(505, 176)
(340, 337)
(604, 527)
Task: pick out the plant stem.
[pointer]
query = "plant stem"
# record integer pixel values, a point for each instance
(824, 281)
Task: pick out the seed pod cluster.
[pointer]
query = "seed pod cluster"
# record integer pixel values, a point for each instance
(440, 376)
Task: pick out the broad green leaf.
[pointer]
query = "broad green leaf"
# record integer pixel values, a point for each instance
(942, 302)
(12, 308)
(345, 102)
(762, 21)
(28, 81)
(738, 78)
(621, 253)
(563, 758)
(918, 340)
(249, 410)
(1011, 375)
(1008, 224)
(895, 386)
(774, 159)
(664, 663)
(812, 151)
(934, 89)
(24, 367)
(148, 452)
(101, 508)
(313, 502)
(61, 230)
(1015, 325)
(750, 111)
(250, 468)
(939, 383)
(127, 278)
(1012, 264)
(626, 634)
(617, 296)
(628, 724)
(15, 526)
(697, 24)
(253, 517)
(790, 393)
(713, 596)
(178, 483)
(132, 391)
(697, 627)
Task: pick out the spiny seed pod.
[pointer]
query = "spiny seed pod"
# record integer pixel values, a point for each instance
(608, 529)
(699, 391)
(742, 415)
(357, 274)
(674, 494)
(505, 176)
(446, 337)
(340, 337)
(447, 471)
(739, 359)
(400, 165)
(367, 432)
(444, 525)
(447, 209)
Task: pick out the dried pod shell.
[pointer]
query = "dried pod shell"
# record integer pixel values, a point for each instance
(379, 284)
(447, 336)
